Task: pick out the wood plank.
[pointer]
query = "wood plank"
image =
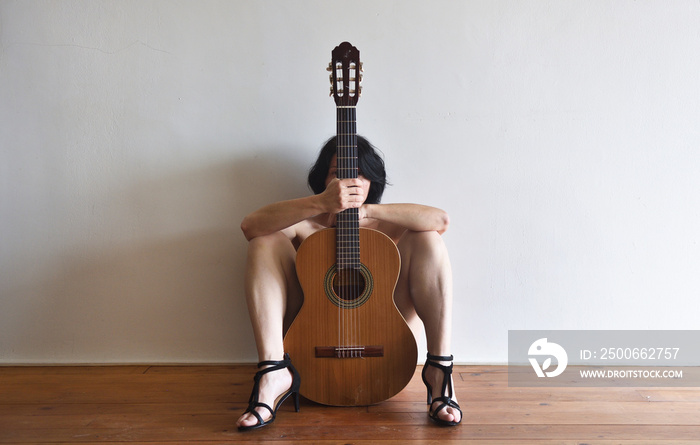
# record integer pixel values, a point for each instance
(212, 429)
(671, 395)
(54, 370)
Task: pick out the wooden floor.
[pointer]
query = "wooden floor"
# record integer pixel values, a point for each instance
(199, 404)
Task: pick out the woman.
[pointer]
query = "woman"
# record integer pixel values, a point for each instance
(423, 292)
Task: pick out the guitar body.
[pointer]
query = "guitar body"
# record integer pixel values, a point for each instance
(350, 350)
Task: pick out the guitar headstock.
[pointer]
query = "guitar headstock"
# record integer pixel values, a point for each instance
(346, 74)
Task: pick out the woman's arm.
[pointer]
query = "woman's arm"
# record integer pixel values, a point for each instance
(338, 195)
(279, 216)
(415, 217)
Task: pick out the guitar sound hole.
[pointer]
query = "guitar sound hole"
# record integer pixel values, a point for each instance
(349, 284)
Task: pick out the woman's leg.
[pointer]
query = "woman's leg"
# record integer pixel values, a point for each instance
(274, 297)
(425, 290)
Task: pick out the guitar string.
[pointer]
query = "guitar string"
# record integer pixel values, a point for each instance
(346, 174)
(355, 219)
(353, 244)
(339, 229)
(350, 312)
(356, 241)
(356, 234)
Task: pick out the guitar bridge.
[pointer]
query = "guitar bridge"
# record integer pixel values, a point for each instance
(349, 351)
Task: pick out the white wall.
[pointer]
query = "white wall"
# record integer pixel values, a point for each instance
(561, 136)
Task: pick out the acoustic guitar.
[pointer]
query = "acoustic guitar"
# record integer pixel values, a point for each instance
(349, 342)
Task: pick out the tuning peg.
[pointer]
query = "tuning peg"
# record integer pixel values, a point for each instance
(330, 66)
(330, 78)
(331, 91)
(361, 68)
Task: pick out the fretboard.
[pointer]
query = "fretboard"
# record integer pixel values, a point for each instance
(347, 224)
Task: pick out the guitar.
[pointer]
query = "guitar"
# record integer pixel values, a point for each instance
(349, 342)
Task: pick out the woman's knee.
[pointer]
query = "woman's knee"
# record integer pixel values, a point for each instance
(271, 254)
(275, 245)
(424, 242)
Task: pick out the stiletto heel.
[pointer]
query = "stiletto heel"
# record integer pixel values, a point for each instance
(254, 403)
(445, 399)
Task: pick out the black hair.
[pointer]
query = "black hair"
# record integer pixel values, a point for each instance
(370, 165)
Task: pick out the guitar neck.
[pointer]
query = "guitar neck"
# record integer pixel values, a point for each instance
(346, 141)
(347, 224)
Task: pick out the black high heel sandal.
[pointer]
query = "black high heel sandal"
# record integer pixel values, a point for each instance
(253, 401)
(445, 400)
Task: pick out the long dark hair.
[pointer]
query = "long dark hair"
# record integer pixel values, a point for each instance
(370, 165)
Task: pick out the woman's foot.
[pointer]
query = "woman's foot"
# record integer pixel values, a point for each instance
(275, 381)
(437, 376)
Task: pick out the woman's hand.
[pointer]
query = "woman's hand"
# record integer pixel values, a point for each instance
(342, 194)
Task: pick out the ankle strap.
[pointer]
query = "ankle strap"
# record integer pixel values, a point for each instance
(446, 390)
(285, 361)
(440, 358)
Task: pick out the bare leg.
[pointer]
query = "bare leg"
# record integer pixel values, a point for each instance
(274, 297)
(425, 290)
